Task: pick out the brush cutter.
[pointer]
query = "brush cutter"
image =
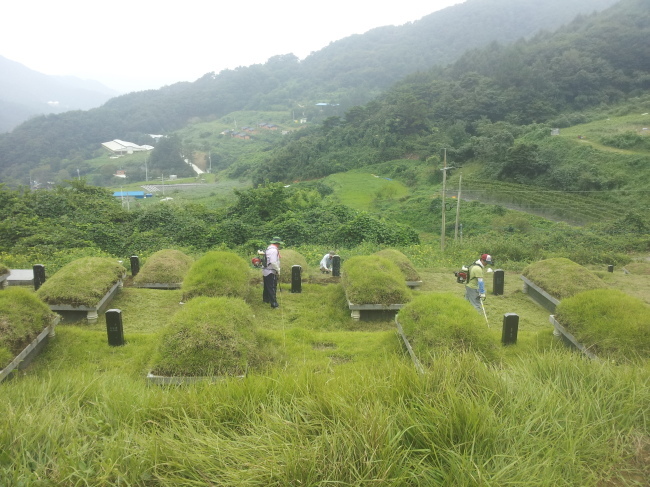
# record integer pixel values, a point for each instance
(484, 313)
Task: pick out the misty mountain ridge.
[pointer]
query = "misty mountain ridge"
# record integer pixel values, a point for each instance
(347, 73)
(25, 93)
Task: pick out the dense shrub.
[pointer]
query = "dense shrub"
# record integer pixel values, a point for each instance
(435, 322)
(82, 282)
(3, 269)
(402, 261)
(217, 273)
(609, 322)
(561, 277)
(164, 266)
(374, 280)
(209, 336)
(22, 317)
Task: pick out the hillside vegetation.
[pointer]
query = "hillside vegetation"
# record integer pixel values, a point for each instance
(346, 73)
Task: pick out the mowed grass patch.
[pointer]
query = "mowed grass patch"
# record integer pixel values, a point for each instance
(77, 349)
(359, 190)
(143, 310)
(322, 351)
(317, 307)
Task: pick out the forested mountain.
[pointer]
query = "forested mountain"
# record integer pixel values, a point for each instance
(347, 72)
(476, 106)
(25, 93)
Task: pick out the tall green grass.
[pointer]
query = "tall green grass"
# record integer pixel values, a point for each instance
(22, 317)
(611, 323)
(548, 419)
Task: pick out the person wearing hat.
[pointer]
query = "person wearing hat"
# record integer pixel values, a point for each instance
(271, 272)
(326, 262)
(475, 287)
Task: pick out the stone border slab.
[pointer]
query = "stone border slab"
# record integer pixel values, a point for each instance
(413, 284)
(159, 285)
(538, 295)
(20, 277)
(356, 309)
(568, 336)
(92, 312)
(24, 358)
(416, 362)
(163, 380)
(3, 280)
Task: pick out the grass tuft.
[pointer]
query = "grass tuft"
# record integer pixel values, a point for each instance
(608, 322)
(208, 336)
(82, 282)
(217, 273)
(164, 266)
(402, 261)
(289, 258)
(561, 277)
(437, 322)
(374, 280)
(22, 317)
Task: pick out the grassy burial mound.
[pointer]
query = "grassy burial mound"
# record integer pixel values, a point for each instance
(608, 322)
(208, 337)
(289, 258)
(402, 261)
(562, 278)
(22, 317)
(217, 273)
(82, 283)
(439, 321)
(164, 267)
(370, 279)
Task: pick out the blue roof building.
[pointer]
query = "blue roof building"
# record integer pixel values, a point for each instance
(132, 194)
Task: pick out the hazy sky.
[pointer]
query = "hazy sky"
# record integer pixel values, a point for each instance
(145, 44)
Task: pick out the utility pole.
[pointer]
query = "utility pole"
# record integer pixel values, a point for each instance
(210, 159)
(146, 171)
(444, 184)
(460, 179)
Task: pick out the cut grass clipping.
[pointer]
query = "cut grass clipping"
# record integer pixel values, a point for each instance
(438, 322)
(164, 267)
(217, 273)
(562, 278)
(370, 279)
(82, 282)
(22, 317)
(289, 258)
(208, 337)
(610, 323)
(402, 261)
